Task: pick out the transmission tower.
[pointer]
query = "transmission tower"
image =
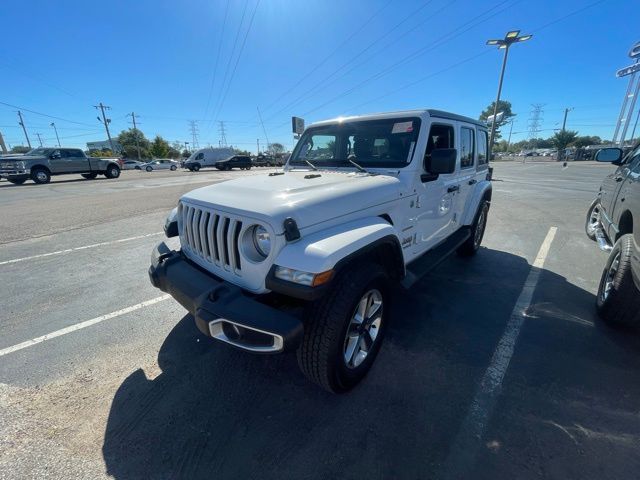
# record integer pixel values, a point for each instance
(193, 128)
(535, 121)
(222, 133)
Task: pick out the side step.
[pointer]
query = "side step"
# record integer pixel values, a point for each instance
(427, 262)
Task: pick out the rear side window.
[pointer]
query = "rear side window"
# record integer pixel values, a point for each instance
(482, 147)
(467, 144)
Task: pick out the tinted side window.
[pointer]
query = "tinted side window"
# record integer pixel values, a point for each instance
(466, 147)
(440, 136)
(200, 156)
(482, 147)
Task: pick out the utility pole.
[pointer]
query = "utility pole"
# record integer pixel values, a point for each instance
(263, 129)
(564, 122)
(510, 130)
(39, 139)
(106, 121)
(56, 130)
(21, 123)
(135, 127)
(258, 152)
(3, 147)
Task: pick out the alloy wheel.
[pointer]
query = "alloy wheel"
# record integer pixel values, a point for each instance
(363, 329)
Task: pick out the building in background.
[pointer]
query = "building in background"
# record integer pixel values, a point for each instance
(104, 145)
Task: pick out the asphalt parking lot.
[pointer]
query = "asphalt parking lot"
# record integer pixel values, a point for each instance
(126, 387)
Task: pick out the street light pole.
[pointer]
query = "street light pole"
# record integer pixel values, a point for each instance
(56, 130)
(503, 44)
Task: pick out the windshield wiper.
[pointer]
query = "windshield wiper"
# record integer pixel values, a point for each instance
(310, 164)
(358, 166)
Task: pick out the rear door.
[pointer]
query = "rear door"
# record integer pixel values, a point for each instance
(467, 177)
(76, 160)
(62, 163)
(436, 197)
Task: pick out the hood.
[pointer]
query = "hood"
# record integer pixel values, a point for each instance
(307, 200)
(19, 157)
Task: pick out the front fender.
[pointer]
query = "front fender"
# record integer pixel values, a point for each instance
(321, 251)
(478, 192)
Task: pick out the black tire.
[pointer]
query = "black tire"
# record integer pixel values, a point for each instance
(593, 219)
(195, 168)
(321, 356)
(472, 244)
(40, 175)
(173, 168)
(618, 300)
(89, 176)
(149, 169)
(17, 181)
(248, 168)
(113, 171)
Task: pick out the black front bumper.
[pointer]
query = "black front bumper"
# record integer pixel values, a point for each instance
(215, 303)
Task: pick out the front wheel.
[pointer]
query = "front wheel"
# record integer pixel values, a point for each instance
(618, 300)
(113, 171)
(472, 244)
(40, 175)
(17, 181)
(344, 330)
(592, 222)
(248, 168)
(173, 168)
(149, 169)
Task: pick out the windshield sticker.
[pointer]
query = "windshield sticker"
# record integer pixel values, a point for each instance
(402, 127)
(413, 144)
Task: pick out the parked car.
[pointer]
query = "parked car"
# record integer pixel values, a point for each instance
(207, 157)
(131, 164)
(40, 164)
(243, 162)
(613, 220)
(161, 164)
(304, 259)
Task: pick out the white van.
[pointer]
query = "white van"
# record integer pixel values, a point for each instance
(207, 157)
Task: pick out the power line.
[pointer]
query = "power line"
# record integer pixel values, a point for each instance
(43, 114)
(456, 32)
(215, 68)
(333, 52)
(244, 41)
(233, 51)
(324, 80)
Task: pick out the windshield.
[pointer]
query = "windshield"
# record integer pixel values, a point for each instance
(39, 151)
(370, 143)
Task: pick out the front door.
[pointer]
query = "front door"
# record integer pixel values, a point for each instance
(436, 197)
(629, 189)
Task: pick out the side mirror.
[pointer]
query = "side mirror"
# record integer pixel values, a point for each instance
(54, 156)
(611, 155)
(443, 161)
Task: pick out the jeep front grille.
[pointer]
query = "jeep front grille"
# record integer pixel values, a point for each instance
(212, 236)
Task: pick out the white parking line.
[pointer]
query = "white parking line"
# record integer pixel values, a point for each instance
(81, 325)
(69, 250)
(463, 452)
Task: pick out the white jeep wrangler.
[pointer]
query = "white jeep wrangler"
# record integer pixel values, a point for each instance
(303, 259)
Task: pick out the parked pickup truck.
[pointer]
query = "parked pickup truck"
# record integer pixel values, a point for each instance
(40, 164)
(613, 220)
(304, 259)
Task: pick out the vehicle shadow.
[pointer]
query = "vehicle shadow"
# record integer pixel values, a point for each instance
(217, 412)
(29, 183)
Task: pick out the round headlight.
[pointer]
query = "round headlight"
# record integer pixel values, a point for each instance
(261, 240)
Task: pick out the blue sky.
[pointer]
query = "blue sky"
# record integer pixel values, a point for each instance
(310, 58)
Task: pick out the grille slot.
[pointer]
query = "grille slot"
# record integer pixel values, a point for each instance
(212, 236)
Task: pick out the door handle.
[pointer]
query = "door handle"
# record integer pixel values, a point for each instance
(473, 182)
(453, 188)
(618, 179)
